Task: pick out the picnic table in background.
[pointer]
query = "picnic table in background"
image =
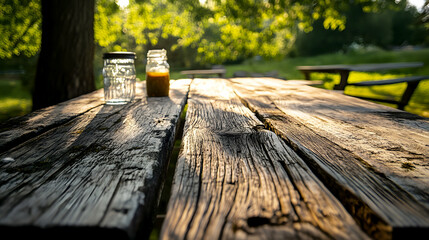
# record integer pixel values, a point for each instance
(217, 70)
(260, 158)
(345, 69)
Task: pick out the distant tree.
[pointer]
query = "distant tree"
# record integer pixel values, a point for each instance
(424, 20)
(391, 24)
(65, 66)
(406, 28)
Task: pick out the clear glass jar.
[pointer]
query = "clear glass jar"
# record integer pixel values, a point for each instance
(157, 73)
(119, 75)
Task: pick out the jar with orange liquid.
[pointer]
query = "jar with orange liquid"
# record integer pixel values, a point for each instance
(157, 73)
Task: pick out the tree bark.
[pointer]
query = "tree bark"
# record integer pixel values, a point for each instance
(65, 67)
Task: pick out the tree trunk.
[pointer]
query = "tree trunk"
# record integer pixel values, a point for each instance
(65, 67)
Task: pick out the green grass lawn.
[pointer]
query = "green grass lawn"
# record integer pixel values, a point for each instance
(15, 100)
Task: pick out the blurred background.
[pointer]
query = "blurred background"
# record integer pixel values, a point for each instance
(255, 37)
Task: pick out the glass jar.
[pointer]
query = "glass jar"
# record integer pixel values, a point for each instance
(157, 73)
(119, 75)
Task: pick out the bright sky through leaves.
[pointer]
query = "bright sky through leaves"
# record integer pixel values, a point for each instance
(123, 3)
(417, 3)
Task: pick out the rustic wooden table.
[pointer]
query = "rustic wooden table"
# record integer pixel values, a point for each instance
(85, 170)
(261, 158)
(274, 159)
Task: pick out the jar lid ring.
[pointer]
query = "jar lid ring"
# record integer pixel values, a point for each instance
(120, 55)
(157, 53)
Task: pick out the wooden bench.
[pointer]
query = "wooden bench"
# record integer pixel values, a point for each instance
(344, 71)
(203, 72)
(412, 84)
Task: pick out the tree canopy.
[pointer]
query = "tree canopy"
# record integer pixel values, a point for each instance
(213, 31)
(217, 30)
(20, 28)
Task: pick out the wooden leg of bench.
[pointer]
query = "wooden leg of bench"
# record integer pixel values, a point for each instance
(411, 87)
(306, 74)
(343, 81)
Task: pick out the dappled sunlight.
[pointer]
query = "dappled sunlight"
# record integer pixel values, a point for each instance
(127, 131)
(123, 3)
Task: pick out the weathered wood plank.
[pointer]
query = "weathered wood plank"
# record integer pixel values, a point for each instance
(235, 180)
(20, 129)
(98, 175)
(374, 158)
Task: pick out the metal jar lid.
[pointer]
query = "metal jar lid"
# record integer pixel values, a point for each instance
(120, 55)
(157, 53)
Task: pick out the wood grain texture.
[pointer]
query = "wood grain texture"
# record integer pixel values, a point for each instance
(236, 180)
(98, 175)
(374, 158)
(20, 129)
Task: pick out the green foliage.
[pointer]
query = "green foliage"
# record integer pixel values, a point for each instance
(217, 31)
(390, 23)
(20, 28)
(239, 29)
(424, 19)
(107, 24)
(405, 28)
(141, 23)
